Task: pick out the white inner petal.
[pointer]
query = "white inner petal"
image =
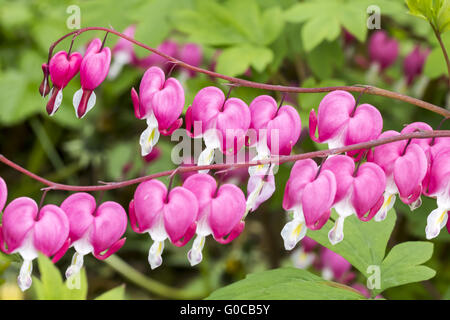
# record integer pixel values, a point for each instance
(294, 230)
(24, 279)
(195, 254)
(150, 136)
(435, 222)
(154, 254)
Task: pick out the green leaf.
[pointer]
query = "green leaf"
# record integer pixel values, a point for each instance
(364, 243)
(403, 264)
(117, 293)
(231, 23)
(324, 58)
(318, 29)
(435, 65)
(354, 18)
(285, 284)
(51, 286)
(421, 8)
(236, 60)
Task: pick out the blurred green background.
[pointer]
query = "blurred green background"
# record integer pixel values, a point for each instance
(263, 40)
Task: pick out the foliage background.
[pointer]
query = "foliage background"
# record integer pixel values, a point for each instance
(282, 42)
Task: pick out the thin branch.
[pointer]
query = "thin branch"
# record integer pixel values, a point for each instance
(246, 83)
(277, 160)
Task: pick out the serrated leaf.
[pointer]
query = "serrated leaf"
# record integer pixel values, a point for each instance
(403, 264)
(318, 29)
(236, 60)
(117, 293)
(285, 284)
(364, 243)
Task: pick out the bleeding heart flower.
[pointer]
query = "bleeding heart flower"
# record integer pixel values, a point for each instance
(340, 124)
(309, 194)
(224, 122)
(259, 189)
(28, 230)
(160, 102)
(220, 212)
(383, 50)
(278, 128)
(93, 229)
(405, 166)
(439, 187)
(123, 53)
(334, 266)
(413, 63)
(358, 191)
(44, 87)
(192, 54)
(62, 68)
(163, 215)
(431, 147)
(93, 70)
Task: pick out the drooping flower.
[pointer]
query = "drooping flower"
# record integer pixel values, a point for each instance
(123, 53)
(93, 229)
(44, 87)
(439, 187)
(334, 266)
(160, 102)
(358, 191)
(430, 146)
(220, 212)
(223, 122)
(259, 189)
(27, 230)
(309, 194)
(93, 70)
(405, 166)
(62, 68)
(192, 54)
(414, 62)
(167, 47)
(163, 215)
(383, 50)
(339, 124)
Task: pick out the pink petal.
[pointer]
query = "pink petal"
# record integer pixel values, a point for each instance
(206, 106)
(333, 113)
(79, 208)
(262, 110)
(168, 103)
(179, 213)
(51, 230)
(110, 223)
(287, 126)
(365, 125)
(386, 154)
(94, 68)
(227, 209)
(18, 219)
(368, 186)
(302, 173)
(342, 168)
(203, 186)
(318, 197)
(409, 171)
(149, 199)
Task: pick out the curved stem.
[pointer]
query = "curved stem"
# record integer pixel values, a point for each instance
(251, 84)
(149, 284)
(277, 160)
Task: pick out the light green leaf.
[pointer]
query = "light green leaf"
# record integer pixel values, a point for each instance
(435, 65)
(117, 293)
(285, 284)
(303, 11)
(318, 29)
(403, 264)
(364, 243)
(50, 286)
(353, 18)
(324, 58)
(236, 60)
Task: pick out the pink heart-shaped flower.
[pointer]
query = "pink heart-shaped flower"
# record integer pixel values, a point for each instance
(63, 68)
(95, 65)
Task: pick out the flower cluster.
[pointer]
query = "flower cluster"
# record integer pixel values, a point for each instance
(28, 229)
(362, 182)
